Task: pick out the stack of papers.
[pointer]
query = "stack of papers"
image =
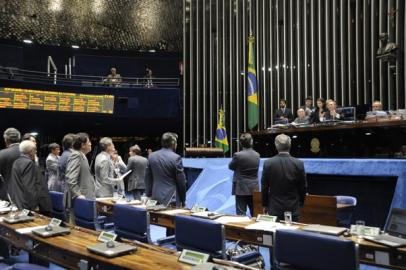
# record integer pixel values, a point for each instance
(232, 219)
(175, 211)
(270, 226)
(29, 229)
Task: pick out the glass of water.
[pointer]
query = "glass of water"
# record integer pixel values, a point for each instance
(288, 218)
(360, 228)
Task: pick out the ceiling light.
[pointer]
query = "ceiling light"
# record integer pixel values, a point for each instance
(75, 46)
(27, 41)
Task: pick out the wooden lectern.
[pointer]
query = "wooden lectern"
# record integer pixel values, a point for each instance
(203, 152)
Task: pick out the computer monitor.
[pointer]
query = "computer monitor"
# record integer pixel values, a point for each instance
(347, 113)
(396, 225)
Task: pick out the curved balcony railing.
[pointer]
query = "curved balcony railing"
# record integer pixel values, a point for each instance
(16, 74)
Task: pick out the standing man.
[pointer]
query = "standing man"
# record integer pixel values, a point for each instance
(165, 176)
(67, 143)
(52, 167)
(24, 188)
(104, 169)
(138, 165)
(283, 113)
(7, 157)
(79, 179)
(245, 180)
(283, 181)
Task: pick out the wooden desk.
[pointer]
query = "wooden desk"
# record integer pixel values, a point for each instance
(68, 251)
(237, 231)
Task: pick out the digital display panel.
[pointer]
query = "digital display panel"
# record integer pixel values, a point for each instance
(17, 98)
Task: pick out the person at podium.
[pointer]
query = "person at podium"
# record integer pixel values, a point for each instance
(283, 115)
(283, 181)
(301, 118)
(245, 179)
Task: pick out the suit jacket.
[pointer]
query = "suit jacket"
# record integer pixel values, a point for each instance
(287, 113)
(78, 178)
(53, 173)
(103, 169)
(315, 116)
(63, 161)
(245, 166)
(165, 177)
(7, 158)
(24, 187)
(283, 184)
(136, 179)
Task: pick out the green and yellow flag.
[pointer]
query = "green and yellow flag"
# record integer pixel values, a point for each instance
(252, 92)
(221, 140)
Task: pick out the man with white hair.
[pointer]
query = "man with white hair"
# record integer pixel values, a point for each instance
(283, 181)
(301, 117)
(23, 187)
(7, 157)
(104, 169)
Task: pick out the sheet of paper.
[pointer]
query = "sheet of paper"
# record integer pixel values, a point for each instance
(175, 211)
(232, 219)
(104, 199)
(270, 226)
(29, 229)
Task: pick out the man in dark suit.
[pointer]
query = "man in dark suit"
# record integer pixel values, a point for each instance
(24, 187)
(283, 181)
(7, 157)
(165, 176)
(79, 180)
(67, 143)
(137, 164)
(245, 180)
(283, 113)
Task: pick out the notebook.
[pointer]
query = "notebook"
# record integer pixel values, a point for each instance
(324, 229)
(112, 249)
(395, 230)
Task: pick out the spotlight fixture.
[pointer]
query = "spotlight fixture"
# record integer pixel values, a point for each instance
(75, 47)
(27, 41)
(152, 51)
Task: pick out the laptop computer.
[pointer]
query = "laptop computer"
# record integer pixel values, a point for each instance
(111, 249)
(395, 230)
(324, 229)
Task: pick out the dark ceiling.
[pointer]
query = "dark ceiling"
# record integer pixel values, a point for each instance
(96, 24)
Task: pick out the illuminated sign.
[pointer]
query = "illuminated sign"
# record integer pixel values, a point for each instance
(27, 99)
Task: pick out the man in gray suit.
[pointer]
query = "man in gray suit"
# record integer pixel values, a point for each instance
(7, 157)
(245, 180)
(136, 179)
(79, 179)
(52, 167)
(67, 143)
(104, 169)
(165, 176)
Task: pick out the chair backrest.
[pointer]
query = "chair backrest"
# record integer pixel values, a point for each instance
(305, 250)
(58, 209)
(85, 213)
(200, 235)
(131, 223)
(319, 210)
(347, 200)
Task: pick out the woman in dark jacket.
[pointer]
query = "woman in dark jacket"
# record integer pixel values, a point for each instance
(319, 113)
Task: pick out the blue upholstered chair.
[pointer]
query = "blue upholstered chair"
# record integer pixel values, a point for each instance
(299, 250)
(201, 235)
(344, 214)
(58, 209)
(86, 216)
(131, 223)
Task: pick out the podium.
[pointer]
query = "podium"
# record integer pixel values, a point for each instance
(207, 152)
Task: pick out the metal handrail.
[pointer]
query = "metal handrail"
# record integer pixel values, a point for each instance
(39, 76)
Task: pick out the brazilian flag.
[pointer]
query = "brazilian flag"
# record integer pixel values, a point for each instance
(221, 140)
(252, 91)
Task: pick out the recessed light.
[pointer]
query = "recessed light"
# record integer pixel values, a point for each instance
(75, 46)
(27, 41)
(152, 51)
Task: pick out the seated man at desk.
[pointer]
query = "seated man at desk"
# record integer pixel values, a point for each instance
(332, 114)
(377, 111)
(283, 115)
(113, 79)
(301, 118)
